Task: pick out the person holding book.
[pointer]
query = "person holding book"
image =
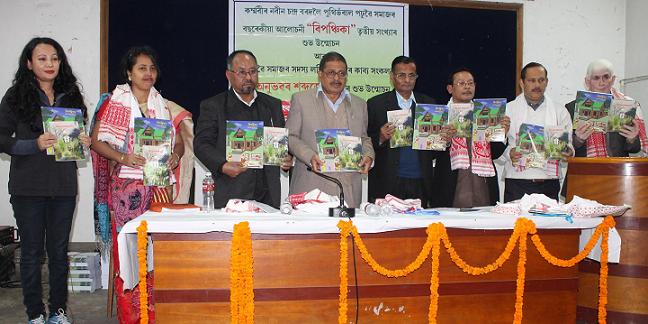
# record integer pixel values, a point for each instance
(399, 170)
(532, 107)
(242, 102)
(468, 176)
(589, 143)
(43, 191)
(118, 169)
(327, 106)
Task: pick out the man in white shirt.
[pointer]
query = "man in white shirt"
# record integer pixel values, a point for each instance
(532, 107)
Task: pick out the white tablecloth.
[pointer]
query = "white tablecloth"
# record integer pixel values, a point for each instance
(199, 222)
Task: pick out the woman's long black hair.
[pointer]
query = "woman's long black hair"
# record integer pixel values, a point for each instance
(23, 95)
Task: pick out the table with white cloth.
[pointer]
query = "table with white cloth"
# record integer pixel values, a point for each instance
(297, 260)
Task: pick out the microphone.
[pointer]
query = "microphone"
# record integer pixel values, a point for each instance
(340, 211)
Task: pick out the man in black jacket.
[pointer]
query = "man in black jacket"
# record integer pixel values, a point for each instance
(240, 102)
(402, 172)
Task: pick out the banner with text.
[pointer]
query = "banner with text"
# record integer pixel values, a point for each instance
(289, 39)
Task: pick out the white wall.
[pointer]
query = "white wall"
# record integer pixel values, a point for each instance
(74, 24)
(561, 34)
(637, 50)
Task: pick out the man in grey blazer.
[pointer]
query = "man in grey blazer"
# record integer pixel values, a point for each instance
(330, 105)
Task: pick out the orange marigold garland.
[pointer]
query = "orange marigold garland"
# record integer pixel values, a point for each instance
(434, 231)
(603, 276)
(437, 233)
(523, 225)
(344, 266)
(241, 275)
(142, 243)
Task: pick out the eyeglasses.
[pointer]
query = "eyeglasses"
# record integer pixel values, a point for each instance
(331, 74)
(242, 73)
(463, 83)
(604, 77)
(403, 76)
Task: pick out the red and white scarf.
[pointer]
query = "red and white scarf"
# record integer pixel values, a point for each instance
(480, 156)
(118, 122)
(597, 142)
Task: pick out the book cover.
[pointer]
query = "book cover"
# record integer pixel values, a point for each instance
(622, 112)
(428, 122)
(461, 117)
(350, 148)
(557, 140)
(531, 143)
(275, 145)
(66, 124)
(244, 143)
(487, 116)
(328, 148)
(153, 138)
(592, 107)
(402, 121)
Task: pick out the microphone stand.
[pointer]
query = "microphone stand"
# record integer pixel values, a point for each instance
(340, 211)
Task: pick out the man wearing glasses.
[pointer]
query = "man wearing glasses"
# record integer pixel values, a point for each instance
(329, 105)
(399, 171)
(240, 102)
(468, 181)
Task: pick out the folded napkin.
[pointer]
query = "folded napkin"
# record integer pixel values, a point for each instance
(314, 201)
(399, 205)
(247, 206)
(541, 204)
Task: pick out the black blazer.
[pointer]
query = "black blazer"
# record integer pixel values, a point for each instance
(617, 146)
(384, 173)
(209, 144)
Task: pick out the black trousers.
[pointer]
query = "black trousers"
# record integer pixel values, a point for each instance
(408, 188)
(43, 221)
(516, 188)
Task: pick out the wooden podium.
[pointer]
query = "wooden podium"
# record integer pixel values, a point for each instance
(616, 181)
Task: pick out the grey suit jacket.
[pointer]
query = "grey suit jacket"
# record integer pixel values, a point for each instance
(306, 111)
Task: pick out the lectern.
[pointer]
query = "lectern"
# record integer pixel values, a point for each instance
(616, 181)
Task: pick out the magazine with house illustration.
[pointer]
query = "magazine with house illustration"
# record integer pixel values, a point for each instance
(622, 112)
(66, 124)
(557, 142)
(275, 145)
(328, 148)
(350, 148)
(461, 117)
(487, 115)
(402, 121)
(428, 121)
(592, 107)
(244, 143)
(531, 143)
(153, 138)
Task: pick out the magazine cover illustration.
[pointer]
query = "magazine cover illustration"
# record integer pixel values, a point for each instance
(66, 124)
(487, 116)
(428, 121)
(244, 143)
(328, 148)
(153, 138)
(402, 121)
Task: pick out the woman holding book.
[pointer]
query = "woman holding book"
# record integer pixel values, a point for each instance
(43, 191)
(118, 169)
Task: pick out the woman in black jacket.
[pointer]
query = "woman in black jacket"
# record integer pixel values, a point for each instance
(43, 191)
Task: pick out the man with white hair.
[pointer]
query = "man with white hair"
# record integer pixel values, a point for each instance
(588, 143)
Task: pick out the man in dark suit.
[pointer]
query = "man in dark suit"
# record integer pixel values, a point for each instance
(402, 172)
(240, 102)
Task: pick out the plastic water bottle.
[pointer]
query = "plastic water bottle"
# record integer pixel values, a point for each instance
(208, 193)
(286, 208)
(370, 209)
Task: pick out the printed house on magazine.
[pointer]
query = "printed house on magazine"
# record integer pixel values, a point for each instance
(487, 117)
(593, 109)
(329, 147)
(526, 143)
(245, 140)
(152, 136)
(430, 123)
